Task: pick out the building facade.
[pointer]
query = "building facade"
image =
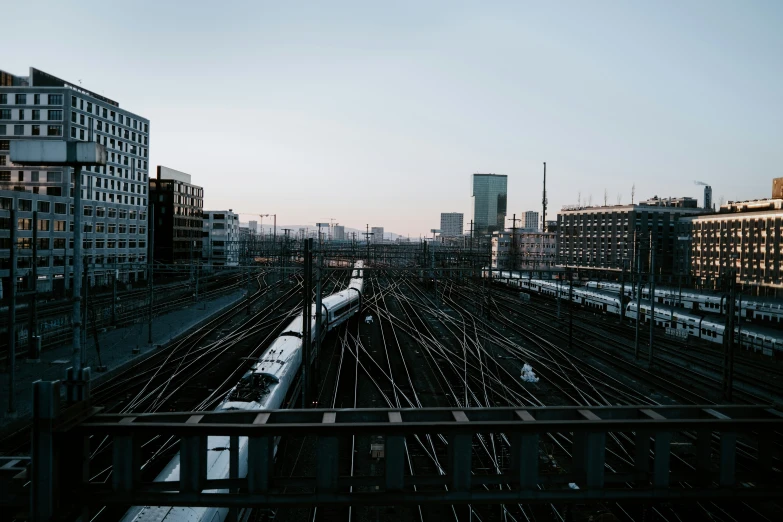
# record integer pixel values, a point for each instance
(114, 196)
(531, 220)
(338, 233)
(489, 203)
(177, 206)
(742, 240)
(526, 250)
(221, 238)
(451, 224)
(608, 237)
(377, 234)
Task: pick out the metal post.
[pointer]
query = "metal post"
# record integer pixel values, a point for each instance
(32, 330)
(150, 270)
(622, 292)
(318, 325)
(652, 302)
(570, 310)
(728, 338)
(45, 397)
(12, 316)
(114, 296)
(306, 320)
(76, 390)
(638, 301)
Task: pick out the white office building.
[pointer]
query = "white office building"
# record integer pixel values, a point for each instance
(221, 238)
(531, 220)
(114, 197)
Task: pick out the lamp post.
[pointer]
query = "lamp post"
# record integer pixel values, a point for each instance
(75, 155)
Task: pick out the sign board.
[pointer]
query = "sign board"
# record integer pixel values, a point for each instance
(65, 153)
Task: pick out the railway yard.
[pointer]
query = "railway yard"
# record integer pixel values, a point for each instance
(412, 342)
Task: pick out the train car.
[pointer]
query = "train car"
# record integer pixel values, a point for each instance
(264, 387)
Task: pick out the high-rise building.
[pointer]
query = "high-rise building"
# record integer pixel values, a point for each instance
(377, 234)
(177, 206)
(606, 237)
(221, 238)
(777, 188)
(338, 233)
(253, 227)
(114, 196)
(451, 224)
(707, 197)
(489, 202)
(531, 220)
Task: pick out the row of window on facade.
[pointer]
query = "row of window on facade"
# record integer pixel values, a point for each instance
(32, 114)
(21, 99)
(113, 130)
(23, 262)
(35, 130)
(56, 225)
(78, 103)
(58, 243)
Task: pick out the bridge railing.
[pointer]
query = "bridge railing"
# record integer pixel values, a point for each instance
(544, 454)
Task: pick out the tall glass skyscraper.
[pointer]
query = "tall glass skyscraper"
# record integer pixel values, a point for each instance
(489, 202)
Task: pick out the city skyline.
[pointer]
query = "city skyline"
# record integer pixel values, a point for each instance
(394, 103)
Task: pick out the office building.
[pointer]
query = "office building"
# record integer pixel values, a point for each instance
(253, 227)
(114, 196)
(707, 197)
(743, 239)
(489, 203)
(527, 251)
(451, 224)
(177, 206)
(338, 233)
(221, 238)
(605, 237)
(531, 220)
(377, 234)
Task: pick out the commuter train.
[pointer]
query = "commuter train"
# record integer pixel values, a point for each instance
(756, 309)
(678, 320)
(264, 387)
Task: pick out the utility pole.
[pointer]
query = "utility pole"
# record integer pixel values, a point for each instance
(652, 301)
(33, 348)
(306, 318)
(12, 316)
(318, 310)
(78, 391)
(513, 243)
(638, 301)
(150, 270)
(728, 337)
(570, 310)
(367, 238)
(622, 292)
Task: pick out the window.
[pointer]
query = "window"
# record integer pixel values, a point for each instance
(59, 226)
(34, 177)
(3, 160)
(4, 99)
(59, 243)
(26, 205)
(21, 99)
(3, 130)
(55, 99)
(55, 115)
(88, 210)
(60, 208)
(24, 224)
(5, 114)
(5, 175)
(54, 177)
(24, 243)
(89, 107)
(21, 114)
(81, 134)
(18, 130)
(36, 99)
(35, 130)
(37, 114)
(54, 130)
(43, 224)
(81, 119)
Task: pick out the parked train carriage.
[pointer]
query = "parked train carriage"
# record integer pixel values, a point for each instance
(600, 300)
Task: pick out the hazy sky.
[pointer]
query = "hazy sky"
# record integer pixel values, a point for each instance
(378, 112)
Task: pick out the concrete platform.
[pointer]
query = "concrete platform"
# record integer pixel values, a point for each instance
(116, 351)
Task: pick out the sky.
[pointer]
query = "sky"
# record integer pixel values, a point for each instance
(377, 113)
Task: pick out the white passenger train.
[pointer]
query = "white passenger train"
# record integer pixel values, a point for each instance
(264, 387)
(703, 326)
(761, 310)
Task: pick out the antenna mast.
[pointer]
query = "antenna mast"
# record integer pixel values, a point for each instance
(544, 202)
